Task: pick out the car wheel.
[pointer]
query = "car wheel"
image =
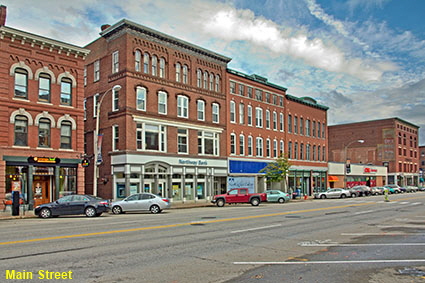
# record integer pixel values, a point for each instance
(353, 195)
(155, 209)
(281, 200)
(117, 209)
(255, 201)
(90, 211)
(343, 196)
(220, 202)
(323, 196)
(45, 213)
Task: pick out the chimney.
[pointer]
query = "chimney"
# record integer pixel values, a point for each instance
(2, 15)
(103, 27)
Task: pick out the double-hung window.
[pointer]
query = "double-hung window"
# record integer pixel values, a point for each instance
(178, 72)
(115, 100)
(258, 117)
(232, 112)
(96, 70)
(241, 145)
(249, 115)
(215, 113)
(21, 130)
(185, 74)
(267, 119)
(182, 141)
(66, 92)
(162, 102)
(154, 65)
(232, 143)
(66, 135)
(249, 145)
(146, 63)
(44, 132)
(259, 146)
(21, 83)
(182, 106)
(241, 113)
(115, 137)
(137, 60)
(44, 88)
(162, 68)
(201, 110)
(141, 98)
(115, 62)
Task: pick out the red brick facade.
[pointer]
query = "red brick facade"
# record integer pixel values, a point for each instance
(23, 111)
(391, 142)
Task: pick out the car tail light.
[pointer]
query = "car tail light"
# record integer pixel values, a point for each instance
(104, 202)
(165, 199)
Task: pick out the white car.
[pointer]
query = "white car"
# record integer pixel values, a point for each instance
(333, 193)
(141, 202)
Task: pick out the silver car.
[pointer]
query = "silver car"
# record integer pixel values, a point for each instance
(141, 202)
(333, 193)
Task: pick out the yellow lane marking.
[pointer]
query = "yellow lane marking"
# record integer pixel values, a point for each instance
(182, 224)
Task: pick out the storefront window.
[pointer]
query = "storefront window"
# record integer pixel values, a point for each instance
(16, 180)
(67, 181)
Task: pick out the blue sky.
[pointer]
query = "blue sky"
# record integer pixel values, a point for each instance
(365, 59)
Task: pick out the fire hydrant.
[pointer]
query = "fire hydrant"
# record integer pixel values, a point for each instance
(305, 197)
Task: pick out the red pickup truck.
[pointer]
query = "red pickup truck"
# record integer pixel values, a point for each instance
(240, 195)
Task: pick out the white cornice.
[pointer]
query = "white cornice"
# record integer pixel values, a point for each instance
(44, 42)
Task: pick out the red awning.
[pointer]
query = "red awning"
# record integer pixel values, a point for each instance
(333, 178)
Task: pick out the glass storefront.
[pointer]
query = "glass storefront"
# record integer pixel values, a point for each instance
(306, 181)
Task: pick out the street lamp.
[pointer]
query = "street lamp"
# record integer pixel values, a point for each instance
(96, 137)
(345, 159)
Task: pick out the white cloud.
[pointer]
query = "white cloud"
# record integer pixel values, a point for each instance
(231, 24)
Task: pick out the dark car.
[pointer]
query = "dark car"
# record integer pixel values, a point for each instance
(362, 190)
(73, 205)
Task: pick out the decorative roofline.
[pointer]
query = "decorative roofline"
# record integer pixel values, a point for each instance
(124, 23)
(44, 42)
(306, 101)
(256, 78)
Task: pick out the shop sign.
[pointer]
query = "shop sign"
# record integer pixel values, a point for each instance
(370, 170)
(49, 160)
(193, 162)
(85, 162)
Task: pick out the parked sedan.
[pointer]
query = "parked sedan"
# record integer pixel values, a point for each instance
(377, 190)
(411, 189)
(333, 193)
(141, 202)
(394, 189)
(73, 205)
(362, 190)
(277, 196)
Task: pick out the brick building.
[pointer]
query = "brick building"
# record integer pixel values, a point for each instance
(163, 131)
(41, 115)
(263, 122)
(422, 165)
(390, 142)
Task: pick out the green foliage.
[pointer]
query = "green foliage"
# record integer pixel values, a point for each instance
(278, 170)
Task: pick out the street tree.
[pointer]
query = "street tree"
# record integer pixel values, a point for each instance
(278, 171)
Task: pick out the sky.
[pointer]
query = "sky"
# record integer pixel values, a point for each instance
(364, 59)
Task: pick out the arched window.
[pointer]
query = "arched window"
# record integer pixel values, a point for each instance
(211, 81)
(21, 130)
(178, 72)
(137, 60)
(44, 88)
(154, 65)
(141, 98)
(21, 83)
(162, 68)
(146, 63)
(217, 83)
(66, 92)
(205, 85)
(44, 132)
(66, 135)
(185, 73)
(199, 78)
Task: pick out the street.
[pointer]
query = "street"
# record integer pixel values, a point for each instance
(341, 240)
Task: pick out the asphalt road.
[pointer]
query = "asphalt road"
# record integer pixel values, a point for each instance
(342, 240)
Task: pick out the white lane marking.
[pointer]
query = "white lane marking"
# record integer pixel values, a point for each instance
(375, 234)
(358, 245)
(402, 226)
(257, 228)
(404, 202)
(328, 262)
(364, 212)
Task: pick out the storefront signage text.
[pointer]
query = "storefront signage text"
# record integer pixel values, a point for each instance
(370, 170)
(193, 162)
(51, 160)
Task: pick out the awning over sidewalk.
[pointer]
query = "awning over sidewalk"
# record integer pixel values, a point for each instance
(333, 178)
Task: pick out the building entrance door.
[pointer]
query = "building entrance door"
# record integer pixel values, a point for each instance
(41, 190)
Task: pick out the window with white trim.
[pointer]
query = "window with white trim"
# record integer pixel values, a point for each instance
(199, 78)
(201, 110)
(115, 100)
(215, 113)
(182, 106)
(115, 62)
(208, 143)
(258, 117)
(66, 135)
(151, 137)
(241, 113)
(95, 104)
(232, 112)
(154, 65)
(274, 120)
(96, 70)
(282, 147)
(275, 148)
(137, 60)
(241, 144)
(259, 147)
(141, 98)
(249, 115)
(281, 122)
(162, 68)
(232, 143)
(115, 137)
(217, 83)
(182, 141)
(249, 145)
(162, 102)
(178, 72)
(185, 74)
(267, 119)
(268, 148)
(146, 63)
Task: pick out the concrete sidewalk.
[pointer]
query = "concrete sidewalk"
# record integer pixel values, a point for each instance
(7, 214)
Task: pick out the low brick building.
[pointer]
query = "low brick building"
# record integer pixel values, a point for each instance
(41, 116)
(263, 122)
(391, 142)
